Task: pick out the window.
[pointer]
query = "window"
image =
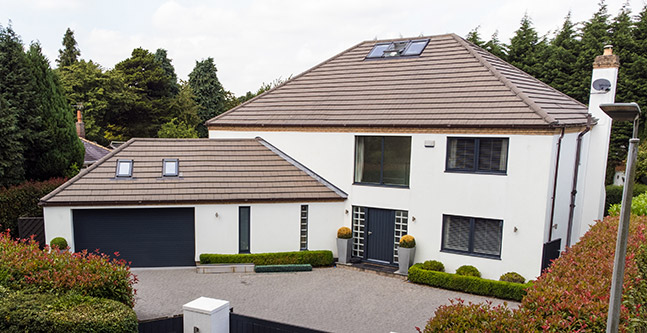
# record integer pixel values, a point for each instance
(124, 168)
(398, 49)
(170, 167)
(243, 229)
(304, 227)
(382, 160)
(478, 155)
(401, 219)
(470, 235)
(359, 223)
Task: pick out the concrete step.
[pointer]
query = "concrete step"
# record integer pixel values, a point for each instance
(225, 268)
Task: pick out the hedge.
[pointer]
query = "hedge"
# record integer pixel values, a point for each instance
(282, 268)
(22, 200)
(614, 195)
(25, 312)
(468, 284)
(314, 258)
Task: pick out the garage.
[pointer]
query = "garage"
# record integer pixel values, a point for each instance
(147, 237)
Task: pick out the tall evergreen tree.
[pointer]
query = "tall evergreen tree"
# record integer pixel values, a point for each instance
(561, 56)
(495, 46)
(475, 37)
(209, 93)
(636, 71)
(162, 57)
(70, 52)
(525, 48)
(595, 34)
(11, 158)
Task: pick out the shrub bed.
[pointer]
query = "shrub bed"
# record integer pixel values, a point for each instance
(468, 284)
(22, 200)
(282, 268)
(25, 267)
(26, 312)
(314, 258)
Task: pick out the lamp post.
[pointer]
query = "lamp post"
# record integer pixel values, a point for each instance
(622, 112)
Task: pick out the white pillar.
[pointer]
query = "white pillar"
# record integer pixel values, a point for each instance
(206, 315)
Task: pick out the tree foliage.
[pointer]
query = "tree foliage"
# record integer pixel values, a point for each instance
(177, 129)
(209, 93)
(70, 53)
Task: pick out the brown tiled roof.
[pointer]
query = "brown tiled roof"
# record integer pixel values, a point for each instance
(93, 151)
(211, 171)
(453, 83)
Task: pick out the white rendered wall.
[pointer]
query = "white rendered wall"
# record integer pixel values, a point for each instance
(519, 198)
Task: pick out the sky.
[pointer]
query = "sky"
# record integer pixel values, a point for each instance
(255, 41)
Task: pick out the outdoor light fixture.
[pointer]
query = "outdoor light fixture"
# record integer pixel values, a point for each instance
(622, 112)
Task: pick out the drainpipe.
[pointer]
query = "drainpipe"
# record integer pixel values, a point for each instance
(576, 170)
(552, 204)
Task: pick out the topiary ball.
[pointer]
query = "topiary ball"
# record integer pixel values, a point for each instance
(468, 270)
(344, 233)
(407, 242)
(433, 265)
(512, 277)
(59, 243)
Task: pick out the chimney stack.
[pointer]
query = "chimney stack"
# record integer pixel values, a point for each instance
(80, 126)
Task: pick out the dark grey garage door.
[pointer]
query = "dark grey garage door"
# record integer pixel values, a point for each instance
(151, 237)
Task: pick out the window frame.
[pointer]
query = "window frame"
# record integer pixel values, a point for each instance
(249, 229)
(303, 220)
(130, 173)
(470, 251)
(177, 167)
(381, 183)
(477, 152)
(401, 53)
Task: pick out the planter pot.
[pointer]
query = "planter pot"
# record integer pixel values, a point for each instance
(344, 247)
(405, 259)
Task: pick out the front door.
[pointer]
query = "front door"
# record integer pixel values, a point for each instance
(380, 227)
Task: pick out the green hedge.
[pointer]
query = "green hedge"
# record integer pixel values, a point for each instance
(282, 268)
(23, 312)
(468, 284)
(22, 200)
(314, 258)
(614, 195)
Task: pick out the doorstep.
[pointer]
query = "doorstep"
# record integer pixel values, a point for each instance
(375, 268)
(225, 268)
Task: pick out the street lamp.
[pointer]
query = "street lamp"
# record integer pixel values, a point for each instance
(622, 112)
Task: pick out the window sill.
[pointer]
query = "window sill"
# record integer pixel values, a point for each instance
(382, 185)
(493, 173)
(485, 256)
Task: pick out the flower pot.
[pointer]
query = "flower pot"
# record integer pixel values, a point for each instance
(405, 259)
(344, 247)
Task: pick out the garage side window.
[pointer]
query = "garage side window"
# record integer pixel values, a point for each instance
(304, 228)
(124, 168)
(243, 229)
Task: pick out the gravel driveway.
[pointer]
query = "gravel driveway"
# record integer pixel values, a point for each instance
(330, 299)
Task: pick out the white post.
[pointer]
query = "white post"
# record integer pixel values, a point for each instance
(206, 315)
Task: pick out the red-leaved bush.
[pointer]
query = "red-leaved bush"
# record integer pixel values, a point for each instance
(571, 296)
(25, 267)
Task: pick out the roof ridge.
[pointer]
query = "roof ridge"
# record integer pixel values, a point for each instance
(302, 167)
(283, 84)
(525, 98)
(85, 171)
(95, 144)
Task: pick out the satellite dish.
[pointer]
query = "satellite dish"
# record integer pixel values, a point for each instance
(602, 85)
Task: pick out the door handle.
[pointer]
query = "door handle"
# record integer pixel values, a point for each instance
(370, 233)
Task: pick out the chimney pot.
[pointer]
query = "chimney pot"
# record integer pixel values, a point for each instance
(608, 49)
(80, 126)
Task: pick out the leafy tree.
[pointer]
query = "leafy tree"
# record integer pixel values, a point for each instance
(475, 37)
(495, 46)
(594, 36)
(11, 158)
(525, 48)
(263, 88)
(636, 71)
(162, 58)
(184, 106)
(209, 93)
(70, 52)
(177, 129)
(561, 56)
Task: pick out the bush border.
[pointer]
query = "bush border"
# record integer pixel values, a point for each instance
(282, 268)
(314, 258)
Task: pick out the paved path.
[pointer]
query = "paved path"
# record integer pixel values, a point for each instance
(329, 299)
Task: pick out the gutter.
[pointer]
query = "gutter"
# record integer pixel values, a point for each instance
(576, 171)
(552, 204)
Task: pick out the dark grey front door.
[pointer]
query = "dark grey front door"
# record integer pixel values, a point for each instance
(380, 227)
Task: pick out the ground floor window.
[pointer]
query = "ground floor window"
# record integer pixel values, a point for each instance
(304, 228)
(401, 224)
(472, 235)
(243, 229)
(359, 222)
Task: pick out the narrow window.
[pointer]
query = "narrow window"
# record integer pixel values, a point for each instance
(304, 228)
(359, 223)
(471, 235)
(401, 221)
(382, 160)
(124, 168)
(243, 229)
(477, 155)
(170, 167)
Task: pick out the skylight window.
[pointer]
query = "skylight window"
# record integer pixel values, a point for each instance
(170, 167)
(124, 168)
(398, 49)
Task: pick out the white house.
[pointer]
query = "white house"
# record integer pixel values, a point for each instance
(436, 137)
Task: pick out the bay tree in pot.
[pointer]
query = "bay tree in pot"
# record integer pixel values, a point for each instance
(344, 244)
(406, 252)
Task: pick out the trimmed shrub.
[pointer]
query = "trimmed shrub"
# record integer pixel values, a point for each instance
(407, 242)
(282, 268)
(25, 266)
(59, 243)
(468, 284)
(344, 233)
(22, 200)
(25, 312)
(460, 317)
(468, 270)
(638, 206)
(512, 277)
(433, 265)
(614, 194)
(314, 258)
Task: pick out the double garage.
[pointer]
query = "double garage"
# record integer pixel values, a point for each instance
(146, 237)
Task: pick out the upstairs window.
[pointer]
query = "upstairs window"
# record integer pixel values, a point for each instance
(382, 160)
(124, 168)
(170, 167)
(398, 49)
(477, 155)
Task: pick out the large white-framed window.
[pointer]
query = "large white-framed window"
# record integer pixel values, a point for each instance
(472, 236)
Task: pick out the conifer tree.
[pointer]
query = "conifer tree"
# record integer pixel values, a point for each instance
(209, 93)
(162, 57)
(70, 52)
(11, 158)
(561, 56)
(594, 36)
(475, 37)
(495, 46)
(525, 48)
